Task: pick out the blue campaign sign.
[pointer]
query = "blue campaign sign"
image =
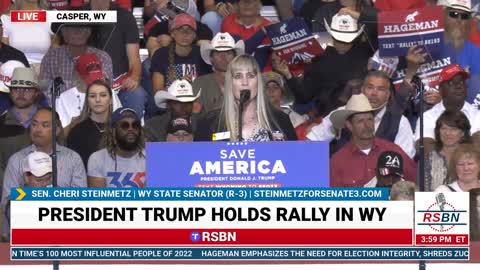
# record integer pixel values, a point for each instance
(238, 164)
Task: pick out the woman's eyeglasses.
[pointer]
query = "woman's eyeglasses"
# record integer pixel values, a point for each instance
(455, 14)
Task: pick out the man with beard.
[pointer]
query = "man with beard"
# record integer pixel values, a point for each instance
(219, 53)
(122, 162)
(23, 92)
(355, 164)
(389, 123)
(458, 23)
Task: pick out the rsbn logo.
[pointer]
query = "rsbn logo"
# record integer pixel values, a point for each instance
(441, 216)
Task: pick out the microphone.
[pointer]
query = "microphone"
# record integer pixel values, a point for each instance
(244, 95)
(418, 86)
(441, 201)
(58, 81)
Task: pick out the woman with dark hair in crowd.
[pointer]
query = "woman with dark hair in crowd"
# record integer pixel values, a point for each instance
(86, 135)
(464, 168)
(260, 121)
(452, 129)
(181, 59)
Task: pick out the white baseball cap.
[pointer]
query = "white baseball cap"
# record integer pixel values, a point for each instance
(344, 28)
(6, 72)
(465, 5)
(38, 164)
(221, 42)
(179, 90)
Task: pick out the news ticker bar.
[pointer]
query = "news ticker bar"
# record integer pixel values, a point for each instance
(204, 194)
(245, 254)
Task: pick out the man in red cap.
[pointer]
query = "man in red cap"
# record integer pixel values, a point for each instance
(453, 91)
(88, 68)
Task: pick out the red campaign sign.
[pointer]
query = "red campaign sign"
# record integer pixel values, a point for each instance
(400, 30)
(293, 42)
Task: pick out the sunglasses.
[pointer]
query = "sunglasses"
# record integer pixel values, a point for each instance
(126, 125)
(455, 14)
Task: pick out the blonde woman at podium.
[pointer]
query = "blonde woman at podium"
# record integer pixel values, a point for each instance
(246, 114)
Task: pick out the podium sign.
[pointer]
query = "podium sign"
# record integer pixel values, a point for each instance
(238, 164)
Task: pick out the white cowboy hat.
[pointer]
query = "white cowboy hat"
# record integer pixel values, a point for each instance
(6, 72)
(179, 90)
(356, 104)
(465, 5)
(344, 28)
(23, 77)
(221, 42)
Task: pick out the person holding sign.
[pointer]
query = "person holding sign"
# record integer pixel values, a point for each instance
(328, 73)
(245, 102)
(453, 91)
(390, 124)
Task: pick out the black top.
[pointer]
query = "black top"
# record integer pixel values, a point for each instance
(85, 138)
(212, 124)
(8, 53)
(113, 38)
(313, 13)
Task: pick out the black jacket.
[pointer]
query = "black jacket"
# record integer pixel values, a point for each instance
(213, 123)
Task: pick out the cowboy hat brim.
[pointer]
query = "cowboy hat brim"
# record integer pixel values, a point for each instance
(206, 48)
(10, 85)
(346, 37)
(339, 117)
(161, 98)
(4, 88)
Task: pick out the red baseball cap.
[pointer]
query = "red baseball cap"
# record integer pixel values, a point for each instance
(183, 19)
(449, 71)
(89, 68)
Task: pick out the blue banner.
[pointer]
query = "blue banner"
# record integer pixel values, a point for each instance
(204, 194)
(271, 253)
(238, 164)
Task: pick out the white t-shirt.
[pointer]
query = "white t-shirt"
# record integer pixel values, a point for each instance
(122, 172)
(430, 119)
(33, 39)
(444, 188)
(69, 105)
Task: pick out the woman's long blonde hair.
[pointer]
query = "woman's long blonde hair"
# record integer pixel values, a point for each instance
(230, 109)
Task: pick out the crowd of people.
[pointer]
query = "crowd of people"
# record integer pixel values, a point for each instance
(212, 75)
